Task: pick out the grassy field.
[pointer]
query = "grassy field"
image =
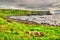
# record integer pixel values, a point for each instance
(20, 31)
(11, 12)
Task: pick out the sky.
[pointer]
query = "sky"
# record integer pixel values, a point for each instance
(30, 4)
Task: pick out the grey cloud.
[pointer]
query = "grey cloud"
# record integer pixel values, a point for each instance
(31, 4)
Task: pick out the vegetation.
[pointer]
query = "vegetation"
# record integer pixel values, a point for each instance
(11, 12)
(20, 31)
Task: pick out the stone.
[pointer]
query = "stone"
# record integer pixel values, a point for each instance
(39, 19)
(36, 34)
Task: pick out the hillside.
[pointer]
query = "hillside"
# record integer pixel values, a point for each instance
(13, 30)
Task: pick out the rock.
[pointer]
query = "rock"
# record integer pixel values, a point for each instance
(36, 34)
(39, 19)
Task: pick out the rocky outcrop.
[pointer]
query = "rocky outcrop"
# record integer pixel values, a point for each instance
(44, 19)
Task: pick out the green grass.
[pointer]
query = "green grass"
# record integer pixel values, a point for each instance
(17, 31)
(11, 12)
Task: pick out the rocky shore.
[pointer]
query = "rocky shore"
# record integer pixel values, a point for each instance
(39, 19)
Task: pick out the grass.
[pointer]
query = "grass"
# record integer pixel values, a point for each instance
(11, 12)
(18, 31)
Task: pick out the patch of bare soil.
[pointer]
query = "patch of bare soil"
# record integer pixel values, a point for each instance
(35, 33)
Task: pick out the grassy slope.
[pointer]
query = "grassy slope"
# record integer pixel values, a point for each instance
(9, 12)
(17, 31)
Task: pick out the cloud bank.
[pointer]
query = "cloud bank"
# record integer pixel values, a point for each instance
(30, 4)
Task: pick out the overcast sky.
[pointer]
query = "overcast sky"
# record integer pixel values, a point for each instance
(30, 4)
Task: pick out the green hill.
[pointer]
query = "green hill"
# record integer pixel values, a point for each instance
(11, 30)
